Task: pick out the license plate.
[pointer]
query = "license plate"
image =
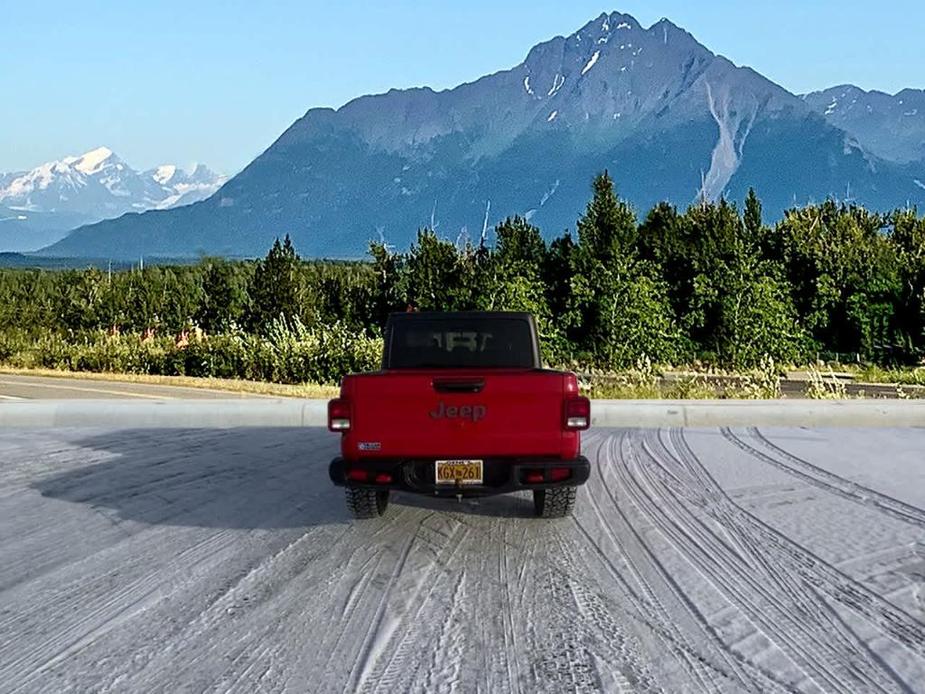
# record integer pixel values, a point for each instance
(458, 472)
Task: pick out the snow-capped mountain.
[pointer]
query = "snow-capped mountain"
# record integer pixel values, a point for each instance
(670, 120)
(891, 126)
(61, 195)
(186, 188)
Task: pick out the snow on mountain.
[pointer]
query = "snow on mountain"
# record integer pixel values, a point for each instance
(85, 183)
(892, 126)
(99, 185)
(94, 161)
(186, 188)
(163, 174)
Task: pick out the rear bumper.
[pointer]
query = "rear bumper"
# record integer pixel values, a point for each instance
(501, 476)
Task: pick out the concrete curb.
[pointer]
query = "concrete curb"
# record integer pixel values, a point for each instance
(290, 412)
(164, 414)
(740, 413)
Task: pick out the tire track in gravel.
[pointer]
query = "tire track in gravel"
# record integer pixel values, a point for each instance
(643, 569)
(396, 663)
(564, 662)
(217, 541)
(243, 641)
(551, 606)
(802, 573)
(527, 552)
(818, 477)
(189, 650)
(904, 629)
(509, 632)
(102, 610)
(442, 672)
(740, 671)
(683, 627)
(453, 612)
(805, 631)
(96, 607)
(94, 488)
(350, 574)
(362, 662)
(619, 661)
(782, 602)
(492, 613)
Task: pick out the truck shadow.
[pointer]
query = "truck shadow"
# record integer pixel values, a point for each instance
(241, 478)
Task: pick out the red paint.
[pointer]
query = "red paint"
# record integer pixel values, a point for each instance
(515, 413)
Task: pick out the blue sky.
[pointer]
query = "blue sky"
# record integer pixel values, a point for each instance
(217, 82)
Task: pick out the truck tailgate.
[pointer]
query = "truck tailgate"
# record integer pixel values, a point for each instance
(456, 414)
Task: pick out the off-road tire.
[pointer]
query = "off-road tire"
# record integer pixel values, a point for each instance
(554, 503)
(364, 504)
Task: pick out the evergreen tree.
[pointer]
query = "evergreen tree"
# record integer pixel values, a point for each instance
(387, 270)
(78, 299)
(557, 277)
(908, 238)
(520, 247)
(224, 296)
(437, 276)
(844, 277)
(619, 307)
(752, 217)
(607, 229)
(664, 241)
(275, 290)
(182, 295)
(510, 278)
(830, 279)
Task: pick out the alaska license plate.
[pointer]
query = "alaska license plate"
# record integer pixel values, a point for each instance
(458, 472)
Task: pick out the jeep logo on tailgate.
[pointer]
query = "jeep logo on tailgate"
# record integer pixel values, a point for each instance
(473, 412)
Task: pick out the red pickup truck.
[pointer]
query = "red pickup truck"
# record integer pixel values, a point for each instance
(461, 407)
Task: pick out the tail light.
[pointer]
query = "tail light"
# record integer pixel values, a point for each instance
(577, 414)
(357, 475)
(338, 415)
(543, 476)
(559, 474)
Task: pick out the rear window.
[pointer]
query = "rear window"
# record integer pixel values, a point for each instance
(441, 343)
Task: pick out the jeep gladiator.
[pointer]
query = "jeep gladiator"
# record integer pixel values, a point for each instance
(462, 406)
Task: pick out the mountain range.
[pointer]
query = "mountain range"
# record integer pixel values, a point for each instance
(666, 116)
(890, 126)
(40, 206)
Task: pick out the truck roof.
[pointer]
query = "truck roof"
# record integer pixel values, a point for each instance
(452, 315)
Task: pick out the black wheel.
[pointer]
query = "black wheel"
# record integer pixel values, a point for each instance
(367, 503)
(554, 503)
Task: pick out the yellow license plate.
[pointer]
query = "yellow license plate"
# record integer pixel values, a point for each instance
(459, 472)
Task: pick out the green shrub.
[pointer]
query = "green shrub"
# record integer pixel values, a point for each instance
(49, 351)
(302, 355)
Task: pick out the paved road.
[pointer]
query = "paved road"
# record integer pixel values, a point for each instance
(15, 387)
(696, 561)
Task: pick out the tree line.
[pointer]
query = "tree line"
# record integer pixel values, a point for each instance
(713, 283)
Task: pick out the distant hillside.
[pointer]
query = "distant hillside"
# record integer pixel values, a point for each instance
(31, 260)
